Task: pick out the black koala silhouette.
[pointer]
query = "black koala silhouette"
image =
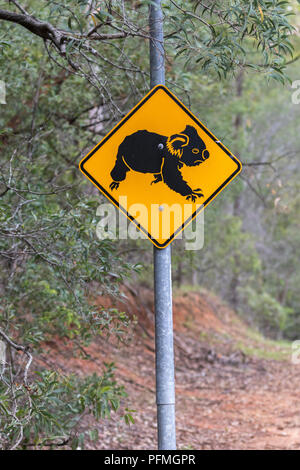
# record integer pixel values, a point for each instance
(147, 152)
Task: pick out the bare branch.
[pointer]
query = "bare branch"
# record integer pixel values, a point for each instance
(58, 37)
(22, 9)
(40, 28)
(18, 347)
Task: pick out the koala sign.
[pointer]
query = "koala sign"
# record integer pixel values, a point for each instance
(147, 152)
(160, 166)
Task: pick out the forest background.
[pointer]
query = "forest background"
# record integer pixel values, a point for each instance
(69, 71)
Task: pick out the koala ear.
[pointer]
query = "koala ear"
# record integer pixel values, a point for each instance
(191, 131)
(177, 141)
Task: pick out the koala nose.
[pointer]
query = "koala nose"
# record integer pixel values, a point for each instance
(205, 154)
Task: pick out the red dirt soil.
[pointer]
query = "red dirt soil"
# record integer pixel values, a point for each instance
(225, 399)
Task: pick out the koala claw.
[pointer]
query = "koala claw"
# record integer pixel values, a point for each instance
(193, 196)
(158, 178)
(114, 185)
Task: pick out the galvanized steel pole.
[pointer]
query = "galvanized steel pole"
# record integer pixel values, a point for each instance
(165, 381)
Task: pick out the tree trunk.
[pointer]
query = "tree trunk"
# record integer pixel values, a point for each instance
(238, 122)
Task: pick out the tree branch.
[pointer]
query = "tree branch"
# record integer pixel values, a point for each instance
(58, 37)
(18, 347)
(22, 9)
(40, 28)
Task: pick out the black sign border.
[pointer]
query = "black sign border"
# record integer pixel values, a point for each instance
(118, 126)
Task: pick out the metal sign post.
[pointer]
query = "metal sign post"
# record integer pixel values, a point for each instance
(165, 381)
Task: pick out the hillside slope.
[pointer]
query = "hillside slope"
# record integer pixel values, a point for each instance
(234, 389)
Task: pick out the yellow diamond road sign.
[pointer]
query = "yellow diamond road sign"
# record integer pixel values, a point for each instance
(160, 166)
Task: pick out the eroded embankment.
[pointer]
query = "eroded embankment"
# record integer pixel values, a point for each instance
(234, 389)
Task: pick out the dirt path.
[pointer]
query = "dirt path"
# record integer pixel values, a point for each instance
(244, 406)
(226, 396)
